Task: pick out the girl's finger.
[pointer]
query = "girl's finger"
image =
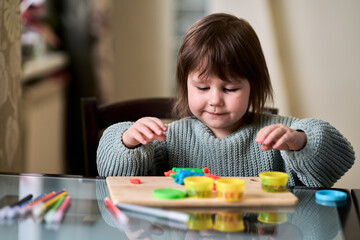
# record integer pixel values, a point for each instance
(144, 130)
(274, 136)
(265, 147)
(160, 123)
(264, 132)
(281, 143)
(155, 126)
(136, 139)
(161, 137)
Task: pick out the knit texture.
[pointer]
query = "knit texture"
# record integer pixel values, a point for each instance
(326, 156)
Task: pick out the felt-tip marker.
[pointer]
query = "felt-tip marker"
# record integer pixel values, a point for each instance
(13, 212)
(164, 214)
(59, 213)
(120, 217)
(41, 207)
(4, 210)
(49, 215)
(25, 209)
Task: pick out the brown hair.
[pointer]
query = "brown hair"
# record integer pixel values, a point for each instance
(225, 46)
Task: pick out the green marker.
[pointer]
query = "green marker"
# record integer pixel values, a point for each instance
(49, 215)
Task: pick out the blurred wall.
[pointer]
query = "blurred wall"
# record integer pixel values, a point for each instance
(143, 38)
(321, 54)
(10, 90)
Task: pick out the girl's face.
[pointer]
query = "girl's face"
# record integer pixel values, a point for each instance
(218, 104)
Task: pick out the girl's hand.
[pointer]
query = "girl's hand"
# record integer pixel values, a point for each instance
(281, 137)
(143, 131)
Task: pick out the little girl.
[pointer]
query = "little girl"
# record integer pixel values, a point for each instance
(222, 86)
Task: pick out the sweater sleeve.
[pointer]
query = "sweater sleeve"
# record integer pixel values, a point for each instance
(115, 159)
(326, 156)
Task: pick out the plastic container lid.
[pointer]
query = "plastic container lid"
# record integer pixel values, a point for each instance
(229, 183)
(168, 193)
(331, 203)
(199, 183)
(330, 196)
(274, 178)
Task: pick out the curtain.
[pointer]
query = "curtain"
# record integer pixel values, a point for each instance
(10, 87)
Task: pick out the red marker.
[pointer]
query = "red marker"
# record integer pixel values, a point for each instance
(120, 217)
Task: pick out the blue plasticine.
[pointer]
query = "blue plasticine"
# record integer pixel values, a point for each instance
(180, 175)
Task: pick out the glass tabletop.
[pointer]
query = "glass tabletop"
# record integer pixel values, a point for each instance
(87, 217)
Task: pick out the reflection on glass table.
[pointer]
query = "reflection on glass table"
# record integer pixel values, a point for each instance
(88, 218)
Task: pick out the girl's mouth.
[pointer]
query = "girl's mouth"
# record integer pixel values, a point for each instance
(216, 114)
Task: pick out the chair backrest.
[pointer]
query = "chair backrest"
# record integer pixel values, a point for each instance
(270, 110)
(96, 118)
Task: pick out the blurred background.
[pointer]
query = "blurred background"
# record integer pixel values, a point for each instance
(123, 49)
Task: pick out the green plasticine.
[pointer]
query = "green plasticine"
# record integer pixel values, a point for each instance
(196, 170)
(168, 193)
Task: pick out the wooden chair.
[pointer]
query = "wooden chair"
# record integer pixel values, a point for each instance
(96, 118)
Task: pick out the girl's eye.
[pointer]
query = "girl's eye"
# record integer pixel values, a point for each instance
(202, 88)
(230, 89)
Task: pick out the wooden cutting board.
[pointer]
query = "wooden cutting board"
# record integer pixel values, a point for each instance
(122, 190)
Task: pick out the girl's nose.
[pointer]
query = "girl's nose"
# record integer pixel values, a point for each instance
(215, 98)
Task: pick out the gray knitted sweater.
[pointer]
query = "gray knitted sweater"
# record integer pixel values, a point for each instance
(189, 143)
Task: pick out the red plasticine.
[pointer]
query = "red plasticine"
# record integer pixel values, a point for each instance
(168, 173)
(135, 180)
(206, 170)
(213, 177)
